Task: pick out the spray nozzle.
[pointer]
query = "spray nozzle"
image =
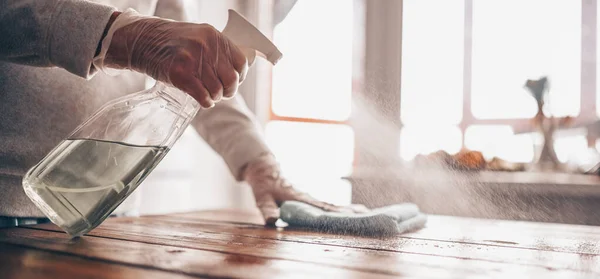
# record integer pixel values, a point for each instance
(249, 39)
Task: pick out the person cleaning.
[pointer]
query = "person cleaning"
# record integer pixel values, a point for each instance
(52, 64)
(50, 82)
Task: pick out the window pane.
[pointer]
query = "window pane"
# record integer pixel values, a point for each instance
(516, 40)
(499, 141)
(415, 140)
(314, 78)
(314, 156)
(432, 61)
(571, 148)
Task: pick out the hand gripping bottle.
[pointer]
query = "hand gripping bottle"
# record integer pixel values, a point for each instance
(89, 174)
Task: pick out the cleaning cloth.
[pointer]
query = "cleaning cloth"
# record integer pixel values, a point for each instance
(384, 221)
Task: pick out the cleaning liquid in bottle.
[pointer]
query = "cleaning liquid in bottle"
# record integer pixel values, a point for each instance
(86, 178)
(88, 175)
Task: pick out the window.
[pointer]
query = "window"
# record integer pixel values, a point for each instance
(432, 76)
(311, 98)
(315, 78)
(432, 62)
(542, 38)
(464, 67)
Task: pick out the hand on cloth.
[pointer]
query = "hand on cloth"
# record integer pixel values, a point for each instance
(196, 58)
(271, 189)
(378, 222)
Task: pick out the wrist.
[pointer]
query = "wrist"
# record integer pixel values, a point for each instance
(111, 20)
(266, 164)
(133, 40)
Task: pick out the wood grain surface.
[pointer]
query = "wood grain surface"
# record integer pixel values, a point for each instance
(231, 244)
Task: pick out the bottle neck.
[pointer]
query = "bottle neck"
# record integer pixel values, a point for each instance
(177, 98)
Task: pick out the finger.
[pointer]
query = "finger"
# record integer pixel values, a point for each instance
(359, 208)
(229, 78)
(181, 77)
(211, 82)
(239, 61)
(268, 208)
(353, 208)
(194, 88)
(243, 74)
(293, 194)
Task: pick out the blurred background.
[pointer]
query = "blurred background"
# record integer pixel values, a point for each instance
(366, 88)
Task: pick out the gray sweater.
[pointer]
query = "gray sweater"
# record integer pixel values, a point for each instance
(48, 86)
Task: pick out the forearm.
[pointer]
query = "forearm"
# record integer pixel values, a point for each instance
(233, 132)
(61, 33)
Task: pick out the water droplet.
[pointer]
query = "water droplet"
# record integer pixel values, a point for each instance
(127, 103)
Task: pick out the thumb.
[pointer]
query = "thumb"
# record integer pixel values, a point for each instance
(268, 208)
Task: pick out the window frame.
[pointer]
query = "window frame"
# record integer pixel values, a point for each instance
(587, 114)
(357, 77)
(377, 56)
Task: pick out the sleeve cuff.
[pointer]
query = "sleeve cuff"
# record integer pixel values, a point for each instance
(75, 33)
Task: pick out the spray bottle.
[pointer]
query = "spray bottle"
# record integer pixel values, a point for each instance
(90, 173)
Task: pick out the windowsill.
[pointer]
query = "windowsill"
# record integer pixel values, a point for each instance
(538, 197)
(523, 182)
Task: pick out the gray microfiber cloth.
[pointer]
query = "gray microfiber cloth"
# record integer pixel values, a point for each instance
(384, 221)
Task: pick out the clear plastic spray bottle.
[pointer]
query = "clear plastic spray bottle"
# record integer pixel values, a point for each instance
(90, 173)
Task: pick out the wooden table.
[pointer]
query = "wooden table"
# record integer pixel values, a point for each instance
(228, 244)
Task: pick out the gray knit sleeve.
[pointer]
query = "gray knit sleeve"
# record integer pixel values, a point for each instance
(47, 33)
